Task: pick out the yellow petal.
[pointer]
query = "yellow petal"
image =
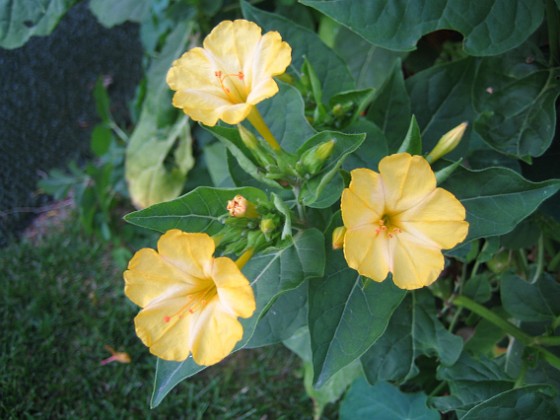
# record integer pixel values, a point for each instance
(439, 220)
(149, 277)
(166, 340)
(214, 333)
(363, 202)
(367, 252)
(415, 264)
(234, 290)
(192, 253)
(407, 180)
(194, 71)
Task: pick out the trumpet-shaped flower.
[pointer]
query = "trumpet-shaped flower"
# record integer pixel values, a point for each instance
(190, 300)
(233, 72)
(397, 221)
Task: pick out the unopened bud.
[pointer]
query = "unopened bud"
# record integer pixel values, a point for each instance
(268, 226)
(248, 138)
(241, 207)
(338, 237)
(313, 159)
(447, 143)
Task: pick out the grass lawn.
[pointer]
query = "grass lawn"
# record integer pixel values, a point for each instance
(62, 301)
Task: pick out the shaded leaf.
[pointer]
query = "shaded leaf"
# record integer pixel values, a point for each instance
(384, 401)
(110, 13)
(489, 28)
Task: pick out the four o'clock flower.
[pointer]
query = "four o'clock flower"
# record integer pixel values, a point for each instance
(397, 221)
(190, 300)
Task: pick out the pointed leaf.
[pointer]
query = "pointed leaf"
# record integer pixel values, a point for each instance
(497, 199)
(200, 210)
(412, 142)
(110, 13)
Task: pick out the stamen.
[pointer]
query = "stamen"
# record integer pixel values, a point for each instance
(193, 304)
(221, 78)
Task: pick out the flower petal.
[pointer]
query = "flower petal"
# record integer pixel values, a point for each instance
(439, 220)
(166, 340)
(149, 276)
(234, 290)
(367, 252)
(214, 333)
(407, 180)
(415, 265)
(363, 202)
(192, 253)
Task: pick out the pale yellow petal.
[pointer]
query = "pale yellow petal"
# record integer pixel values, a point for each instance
(194, 71)
(167, 338)
(263, 89)
(234, 290)
(149, 276)
(363, 201)
(355, 212)
(214, 333)
(439, 219)
(192, 253)
(415, 265)
(367, 252)
(407, 180)
(234, 114)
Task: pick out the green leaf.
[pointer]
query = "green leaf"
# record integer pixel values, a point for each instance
(20, 20)
(101, 137)
(372, 150)
(368, 63)
(412, 142)
(347, 314)
(284, 114)
(384, 401)
(330, 68)
(110, 13)
(312, 190)
(286, 315)
(533, 401)
(497, 199)
(413, 330)
(478, 288)
(391, 108)
(271, 274)
(489, 28)
(200, 210)
(524, 301)
(102, 101)
(159, 155)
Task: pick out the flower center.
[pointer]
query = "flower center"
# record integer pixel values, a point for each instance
(386, 226)
(195, 302)
(229, 80)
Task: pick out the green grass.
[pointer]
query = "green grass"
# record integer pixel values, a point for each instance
(62, 301)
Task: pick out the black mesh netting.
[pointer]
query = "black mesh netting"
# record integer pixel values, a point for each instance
(46, 106)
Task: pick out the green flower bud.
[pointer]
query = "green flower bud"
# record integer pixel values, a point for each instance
(447, 143)
(312, 160)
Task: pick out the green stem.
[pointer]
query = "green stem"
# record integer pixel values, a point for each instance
(495, 319)
(540, 259)
(256, 119)
(548, 340)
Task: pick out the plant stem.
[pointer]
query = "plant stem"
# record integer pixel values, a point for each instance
(540, 259)
(256, 119)
(552, 17)
(495, 319)
(242, 260)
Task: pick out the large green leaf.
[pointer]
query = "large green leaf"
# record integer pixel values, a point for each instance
(524, 301)
(489, 27)
(390, 109)
(306, 44)
(529, 402)
(368, 63)
(347, 314)
(200, 210)
(413, 330)
(20, 20)
(497, 199)
(384, 401)
(372, 150)
(110, 13)
(158, 155)
(271, 274)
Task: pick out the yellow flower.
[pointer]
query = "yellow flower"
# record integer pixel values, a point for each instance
(190, 300)
(397, 221)
(231, 74)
